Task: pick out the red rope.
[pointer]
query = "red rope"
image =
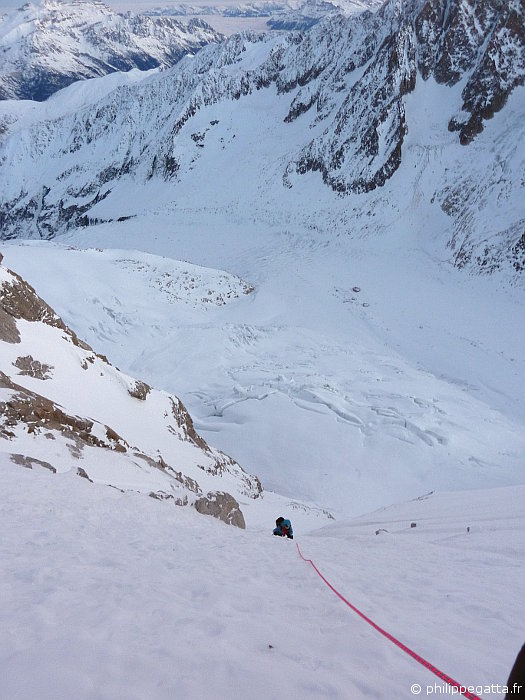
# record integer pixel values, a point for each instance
(461, 688)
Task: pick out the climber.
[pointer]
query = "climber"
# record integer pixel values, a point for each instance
(284, 528)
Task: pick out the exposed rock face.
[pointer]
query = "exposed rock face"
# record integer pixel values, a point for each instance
(185, 423)
(39, 414)
(8, 330)
(488, 36)
(151, 441)
(18, 299)
(49, 46)
(82, 473)
(223, 506)
(29, 462)
(163, 496)
(30, 367)
(446, 39)
(140, 390)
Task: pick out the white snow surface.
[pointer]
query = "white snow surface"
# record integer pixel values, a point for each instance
(109, 596)
(263, 8)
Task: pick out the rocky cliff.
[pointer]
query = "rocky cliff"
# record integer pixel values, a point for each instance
(65, 408)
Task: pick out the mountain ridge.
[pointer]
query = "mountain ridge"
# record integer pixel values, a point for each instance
(44, 424)
(49, 45)
(346, 84)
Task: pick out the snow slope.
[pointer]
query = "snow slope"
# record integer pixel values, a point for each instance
(110, 596)
(364, 369)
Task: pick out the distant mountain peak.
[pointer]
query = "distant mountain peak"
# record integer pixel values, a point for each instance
(48, 45)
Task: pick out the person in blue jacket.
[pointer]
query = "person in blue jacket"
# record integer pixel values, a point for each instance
(284, 528)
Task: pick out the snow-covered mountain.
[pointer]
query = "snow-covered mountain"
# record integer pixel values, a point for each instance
(289, 15)
(66, 408)
(327, 335)
(302, 16)
(265, 8)
(347, 99)
(48, 45)
(249, 9)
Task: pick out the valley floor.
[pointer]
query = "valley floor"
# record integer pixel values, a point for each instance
(359, 372)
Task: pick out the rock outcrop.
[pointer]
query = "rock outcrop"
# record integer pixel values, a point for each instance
(223, 506)
(67, 409)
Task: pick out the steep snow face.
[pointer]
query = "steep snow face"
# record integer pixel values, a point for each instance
(114, 596)
(62, 405)
(344, 100)
(48, 45)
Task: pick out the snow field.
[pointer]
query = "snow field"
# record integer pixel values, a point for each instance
(109, 596)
